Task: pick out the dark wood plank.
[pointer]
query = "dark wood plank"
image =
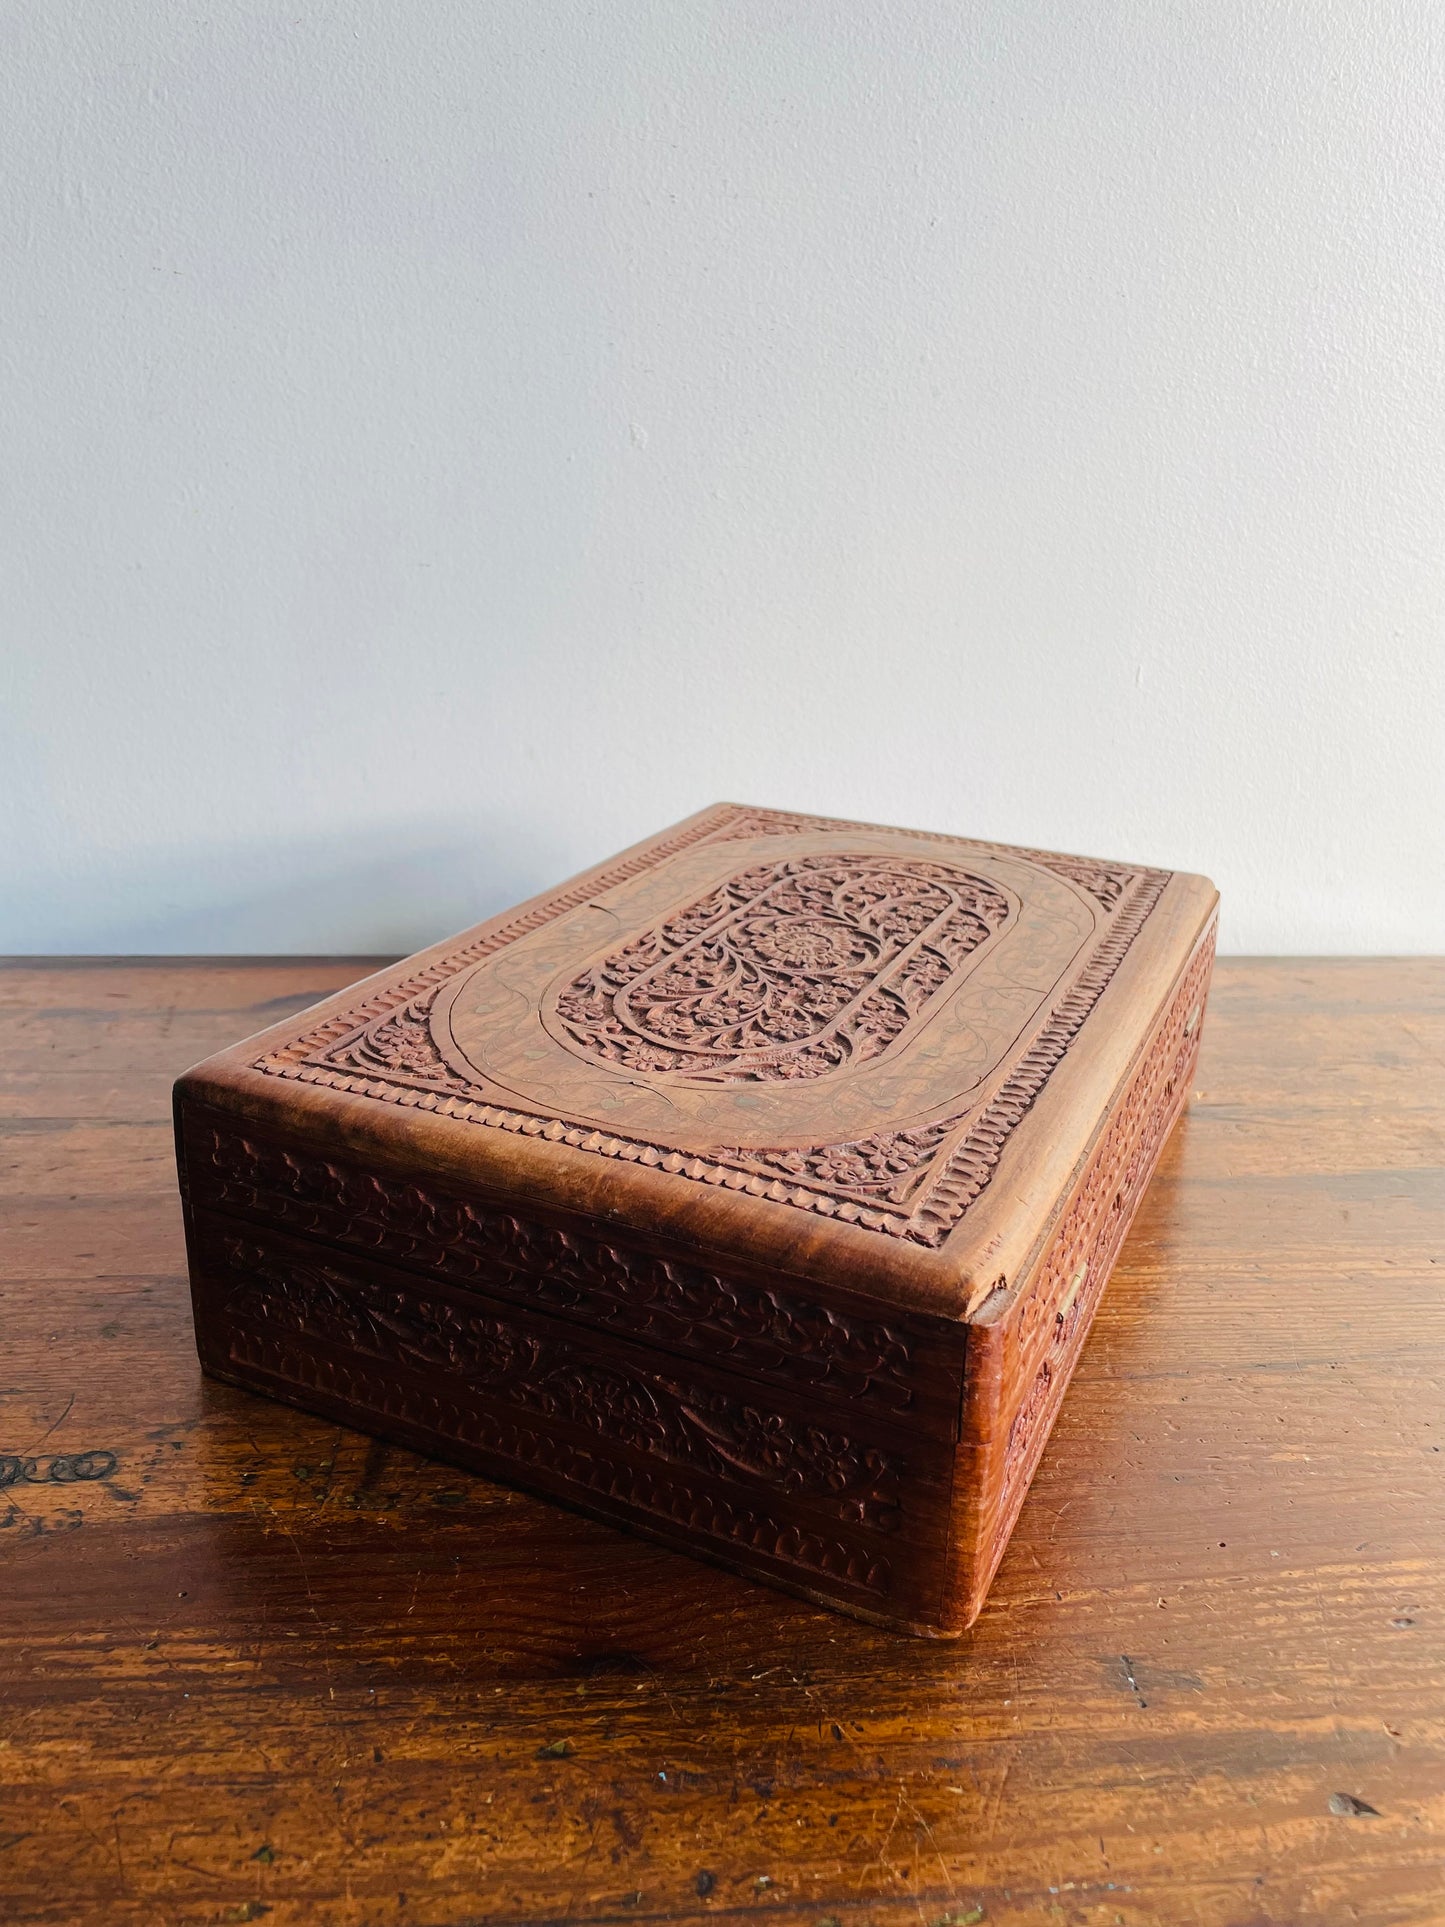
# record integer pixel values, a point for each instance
(265, 1667)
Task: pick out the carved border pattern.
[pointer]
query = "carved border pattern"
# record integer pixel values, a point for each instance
(1054, 1315)
(637, 1487)
(676, 1420)
(911, 1184)
(657, 1301)
(971, 1166)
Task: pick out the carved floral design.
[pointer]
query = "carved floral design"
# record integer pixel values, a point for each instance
(643, 1489)
(1105, 882)
(655, 1414)
(657, 1300)
(401, 1043)
(913, 1184)
(789, 970)
(880, 1166)
(805, 1460)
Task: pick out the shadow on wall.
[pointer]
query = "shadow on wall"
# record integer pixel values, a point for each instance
(360, 894)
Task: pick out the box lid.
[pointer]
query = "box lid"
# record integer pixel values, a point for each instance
(870, 1056)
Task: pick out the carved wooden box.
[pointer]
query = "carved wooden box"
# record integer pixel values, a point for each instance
(754, 1191)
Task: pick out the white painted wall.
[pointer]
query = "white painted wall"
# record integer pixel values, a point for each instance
(443, 442)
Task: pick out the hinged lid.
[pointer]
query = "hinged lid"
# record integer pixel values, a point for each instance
(866, 1055)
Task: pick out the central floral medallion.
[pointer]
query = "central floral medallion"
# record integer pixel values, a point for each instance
(790, 970)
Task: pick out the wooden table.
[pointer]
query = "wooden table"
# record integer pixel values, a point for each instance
(255, 1666)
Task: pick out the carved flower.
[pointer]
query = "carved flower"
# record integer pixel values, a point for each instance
(844, 1166)
(806, 944)
(782, 1070)
(415, 1055)
(686, 980)
(402, 1043)
(674, 1022)
(646, 1057)
(582, 1005)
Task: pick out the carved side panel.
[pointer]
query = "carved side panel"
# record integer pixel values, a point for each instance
(281, 1296)
(891, 1367)
(771, 1482)
(1032, 1353)
(476, 1435)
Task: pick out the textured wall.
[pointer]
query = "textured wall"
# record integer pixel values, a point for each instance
(443, 442)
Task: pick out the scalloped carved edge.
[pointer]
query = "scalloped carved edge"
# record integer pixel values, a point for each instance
(959, 1175)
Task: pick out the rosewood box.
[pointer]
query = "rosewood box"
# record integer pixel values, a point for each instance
(754, 1191)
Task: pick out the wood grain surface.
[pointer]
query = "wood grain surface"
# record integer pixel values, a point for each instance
(255, 1666)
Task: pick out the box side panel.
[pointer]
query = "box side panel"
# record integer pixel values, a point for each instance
(779, 1331)
(1019, 1366)
(782, 1438)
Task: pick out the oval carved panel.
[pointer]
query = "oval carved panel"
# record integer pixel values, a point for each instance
(666, 1012)
(787, 971)
(780, 993)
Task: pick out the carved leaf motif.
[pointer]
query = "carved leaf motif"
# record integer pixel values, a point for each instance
(402, 1043)
(865, 1480)
(1105, 882)
(321, 1304)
